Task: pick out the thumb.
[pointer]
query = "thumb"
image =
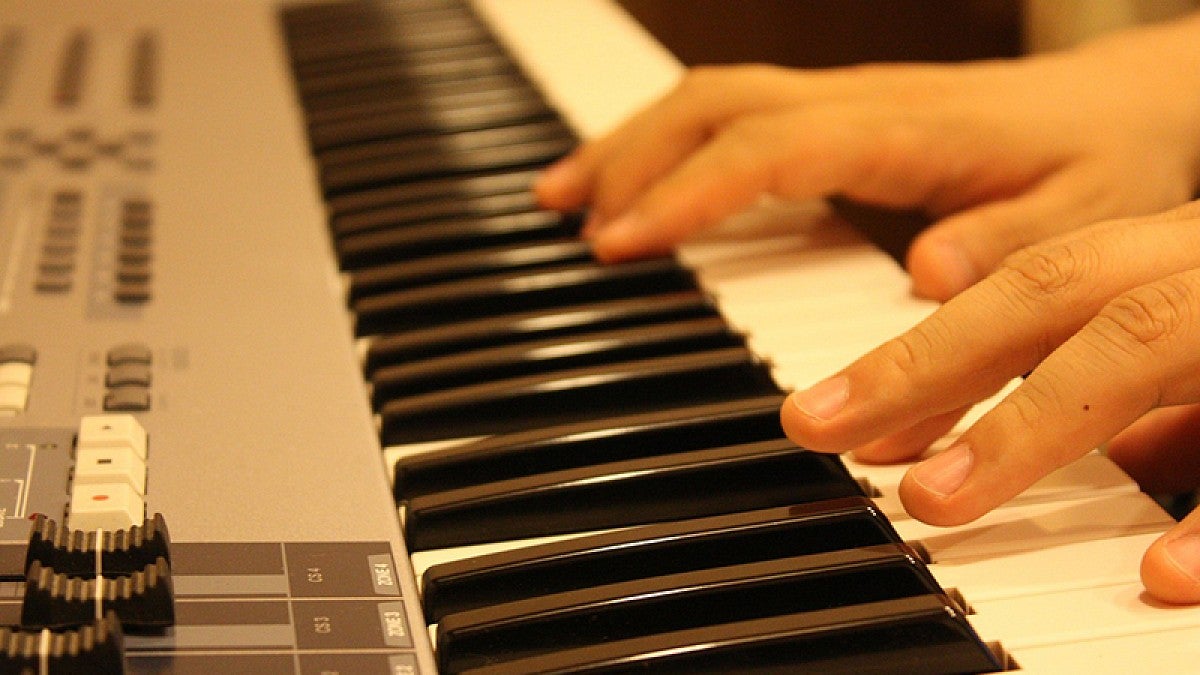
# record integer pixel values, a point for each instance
(1171, 566)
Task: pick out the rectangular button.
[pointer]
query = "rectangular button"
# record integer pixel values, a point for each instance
(107, 506)
(110, 465)
(112, 431)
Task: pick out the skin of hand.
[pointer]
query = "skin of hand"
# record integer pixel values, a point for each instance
(1001, 154)
(1104, 319)
(1014, 160)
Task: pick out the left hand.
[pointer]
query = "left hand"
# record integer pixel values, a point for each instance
(1106, 321)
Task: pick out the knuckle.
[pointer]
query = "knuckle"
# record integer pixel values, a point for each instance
(914, 351)
(1149, 317)
(1040, 273)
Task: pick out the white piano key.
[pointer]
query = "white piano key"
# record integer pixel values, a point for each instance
(1079, 615)
(1036, 526)
(1166, 651)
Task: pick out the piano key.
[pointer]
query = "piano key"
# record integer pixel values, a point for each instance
(408, 120)
(461, 187)
(519, 291)
(574, 395)
(612, 439)
(371, 100)
(359, 86)
(590, 349)
(466, 264)
(653, 550)
(368, 59)
(341, 178)
(679, 602)
(393, 245)
(678, 486)
(513, 327)
(446, 146)
(921, 634)
(505, 203)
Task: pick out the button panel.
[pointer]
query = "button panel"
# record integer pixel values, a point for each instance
(127, 378)
(109, 487)
(55, 272)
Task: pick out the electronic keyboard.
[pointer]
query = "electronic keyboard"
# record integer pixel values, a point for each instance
(295, 376)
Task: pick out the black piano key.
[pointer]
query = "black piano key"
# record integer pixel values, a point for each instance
(444, 147)
(313, 90)
(428, 211)
(412, 213)
(400, 347)
(484, 113)
(373, 100)
(408, 274)
(680, 602)
(922, 634)
(364, 175)
(447, 236)
(614, 439)
(518, 291)
(448, 144)
(656, 489)
(485, 365)
(377, 58)
(575, 395)
(387, 33)
(457, 187)
(653, 550)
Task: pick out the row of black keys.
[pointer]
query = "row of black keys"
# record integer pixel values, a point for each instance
(609, 396)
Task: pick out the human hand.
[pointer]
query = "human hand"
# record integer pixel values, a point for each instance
(1106, 322)
(1001, 154)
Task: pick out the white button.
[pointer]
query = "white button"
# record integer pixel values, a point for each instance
(112, 431)
(110, 465)
(107, 506)
(16, 373)
(12, 398)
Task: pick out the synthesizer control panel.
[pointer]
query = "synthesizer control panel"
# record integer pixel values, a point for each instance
(175, 495)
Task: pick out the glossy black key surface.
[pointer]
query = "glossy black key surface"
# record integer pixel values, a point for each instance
(519, 291)
(396, 121)
(543, 356)
(921, 635)
(656, 489)
(404, 346)
(375, 100)
(401, 168)
(614, 439)
(449, 236)
(575, 395)
(445, 145)
(653, 550)
(452, 266)
(414, 213)
(680, 602)
(459, 187)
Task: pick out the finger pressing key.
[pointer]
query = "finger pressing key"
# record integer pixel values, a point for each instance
(1142, 350)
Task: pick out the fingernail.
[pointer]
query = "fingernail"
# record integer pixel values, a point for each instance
(1185, 553)
(824, 399)
(946, 471)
